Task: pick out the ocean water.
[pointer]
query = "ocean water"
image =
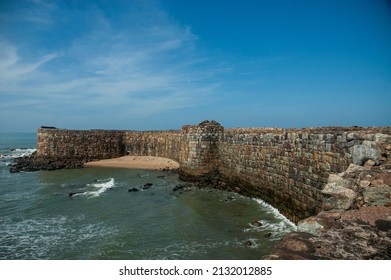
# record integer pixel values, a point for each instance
(102, 220)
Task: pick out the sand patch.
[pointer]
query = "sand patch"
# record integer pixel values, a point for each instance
(136, 162)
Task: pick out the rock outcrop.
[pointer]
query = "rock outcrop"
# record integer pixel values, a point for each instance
(355, 223)
(35, 163)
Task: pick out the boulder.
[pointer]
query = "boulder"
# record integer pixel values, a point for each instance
(354, 169)
(338, 197)
(310, 225)
(362, 153)
(294, 246)
(335, 179)
(377, 195)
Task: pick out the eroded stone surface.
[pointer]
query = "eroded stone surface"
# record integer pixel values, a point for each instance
(360, 231)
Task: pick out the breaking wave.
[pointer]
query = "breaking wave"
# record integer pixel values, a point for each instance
(16, 153)
(8, 156)
(42, 238)
(278, 225)
(99, 187)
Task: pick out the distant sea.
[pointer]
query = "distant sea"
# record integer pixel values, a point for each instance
(38, 219)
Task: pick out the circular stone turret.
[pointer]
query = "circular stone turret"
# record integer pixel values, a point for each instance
(200, 149)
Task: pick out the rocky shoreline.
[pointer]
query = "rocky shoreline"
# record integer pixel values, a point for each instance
(355, 223)
(35, 163)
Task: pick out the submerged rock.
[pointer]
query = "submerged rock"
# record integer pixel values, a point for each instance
(72, 194)
(256, 224)
(147, 186)
(181, 187)
(250, 243)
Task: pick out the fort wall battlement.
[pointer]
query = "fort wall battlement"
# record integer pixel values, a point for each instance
(287, 168)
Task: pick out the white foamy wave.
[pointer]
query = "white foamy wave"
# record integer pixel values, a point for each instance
(276, 227)
(271, 210)
(43, 238)
(100, 187)
(180, 249)
(16, 153)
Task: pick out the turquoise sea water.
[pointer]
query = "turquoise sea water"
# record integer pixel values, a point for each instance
(103, 220)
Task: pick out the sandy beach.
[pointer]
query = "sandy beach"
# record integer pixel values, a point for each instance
(136, 162)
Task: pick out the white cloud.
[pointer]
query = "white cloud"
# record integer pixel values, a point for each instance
(11, 68)
(136, 69)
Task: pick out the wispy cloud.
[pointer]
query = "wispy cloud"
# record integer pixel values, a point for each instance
(12, 68)
(136, 68)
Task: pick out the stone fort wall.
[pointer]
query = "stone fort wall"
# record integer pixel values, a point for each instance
(286, 167)
(290, 167)
(104, 144)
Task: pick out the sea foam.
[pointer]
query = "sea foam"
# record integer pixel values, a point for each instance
(271, 210)
(20, 152)
(100, 187)
(278, 226)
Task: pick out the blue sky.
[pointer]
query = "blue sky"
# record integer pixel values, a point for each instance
(161, 64)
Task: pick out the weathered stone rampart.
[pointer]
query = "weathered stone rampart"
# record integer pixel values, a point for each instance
(290, 167)
(90, 144)
(200, 149)
(165, 144)
(286, 167)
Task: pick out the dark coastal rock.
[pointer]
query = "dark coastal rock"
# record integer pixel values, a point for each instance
(268, 235)
(72, 194)
(35, 163)
(383, 225)
(294, 246)
(141, 188)
(181, 188)
(250, 243)
(170, 171)
(229, 198)
(256, 224)
(147, 186)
